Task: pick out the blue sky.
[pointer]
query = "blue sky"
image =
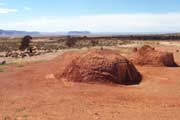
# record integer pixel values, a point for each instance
(93, 15)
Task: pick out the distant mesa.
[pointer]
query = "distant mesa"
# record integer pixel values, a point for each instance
(79, 32)
(15, 32)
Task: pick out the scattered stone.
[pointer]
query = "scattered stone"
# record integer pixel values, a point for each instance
(2, 62)
(135, 49)
(50, 76)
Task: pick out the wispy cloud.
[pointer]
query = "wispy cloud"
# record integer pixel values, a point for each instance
(27, 8)
(7, 10)
(105, 23)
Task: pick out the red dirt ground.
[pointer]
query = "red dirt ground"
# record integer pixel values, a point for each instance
(32, 93)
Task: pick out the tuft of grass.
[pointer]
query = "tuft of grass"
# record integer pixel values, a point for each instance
(20, 65)
(25, 117)
(6, 118)
(2, 70)
(20, 109)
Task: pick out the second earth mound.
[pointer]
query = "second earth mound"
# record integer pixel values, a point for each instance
(147, 55)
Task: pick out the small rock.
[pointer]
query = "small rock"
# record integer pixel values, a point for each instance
(50, 76)
(102, 48)
(2, 62)
(96, 113)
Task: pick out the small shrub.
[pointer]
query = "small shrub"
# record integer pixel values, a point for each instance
(70, 41)
(25, 42)
(2, 70)
(94, 42)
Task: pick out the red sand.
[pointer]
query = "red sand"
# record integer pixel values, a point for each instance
(32, 93)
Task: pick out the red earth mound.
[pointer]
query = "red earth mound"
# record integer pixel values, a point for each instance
(97, 66)
(147, 55)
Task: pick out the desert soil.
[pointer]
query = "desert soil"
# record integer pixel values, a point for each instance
(30, 92)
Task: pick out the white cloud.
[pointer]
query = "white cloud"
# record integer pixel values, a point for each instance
(27, 8)
(105, 23)
(7, 10)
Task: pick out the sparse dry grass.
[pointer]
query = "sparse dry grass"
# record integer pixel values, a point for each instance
(1, 70)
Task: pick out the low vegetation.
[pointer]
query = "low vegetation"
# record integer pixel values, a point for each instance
(12, 46)
(65, 42)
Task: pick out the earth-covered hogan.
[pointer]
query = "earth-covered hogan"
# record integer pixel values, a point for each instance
(96, 65)
(147, 55)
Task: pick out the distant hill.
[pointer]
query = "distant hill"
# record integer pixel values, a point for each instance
(79, 32)
(15, 32)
